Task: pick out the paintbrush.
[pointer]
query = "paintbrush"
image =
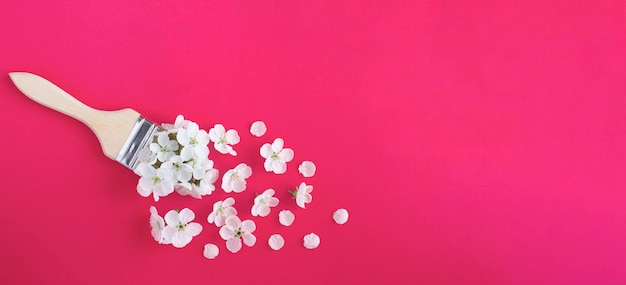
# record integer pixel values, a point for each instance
(122, 133)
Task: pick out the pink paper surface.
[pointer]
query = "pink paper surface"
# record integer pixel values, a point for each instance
(479, 143)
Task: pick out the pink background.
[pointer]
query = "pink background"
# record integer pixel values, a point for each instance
(475, 143)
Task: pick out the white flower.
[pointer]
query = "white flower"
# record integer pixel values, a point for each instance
(340, 216)
(307, 168)
(258, 129)
(180, 230)
(221, 211)
(276, 241)
(286, 217)
(263, 202)
(158, 182)
(204, 186)
(181, 170)
(194, 141)
(234, 230)
(210, 251)
(311, 241)
(303, 194)
(200, 167)
(157, 224)
(222, 139)
(276, 157)
(164, 147)
(235, 179)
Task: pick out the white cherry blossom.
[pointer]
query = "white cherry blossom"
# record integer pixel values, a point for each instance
(340, 216)
(210, 251)
(224, 140)
(276, 241)
(307, 168)
(258, 129)
(235, 230)
(194, 141)
(235, 179)
(180, 230)
(286, 218)
(311, 241)
(263, 202)
(158, 182)
(182, 171)
(302, 194)
(221, 211)
(157, 224)
(164, 147)
(276, 157)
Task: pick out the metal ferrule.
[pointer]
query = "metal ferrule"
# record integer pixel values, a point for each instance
(140, 137)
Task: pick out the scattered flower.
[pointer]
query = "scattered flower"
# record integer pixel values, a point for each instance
(164, 147)
(307, 168)
(180, 230)
(276, 241)
(221, 211)
(157, 224)
(302, 194)
(276, 157)
(158, 182)
(235, 230)
(311, 241)
(258, 129)
(235, 179)
(223, 140)
(340, 216)
(210, 251)
(263, 202)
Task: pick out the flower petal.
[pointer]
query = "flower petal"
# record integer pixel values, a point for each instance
(233, 244)
(226, 232)
(276, 241)
(233, 221)
(264, 211)
(248, 226)
(340, 216)
(311, 241)
(193, 229)
(307, 168)
(181, 239)
(286, 217)
(238, 185)
(171, 218)
(273, 202)
(210, 251)
(258, 128)
(228, 202)
(286, 155)
(249, 239)
(266, 150)
(277, 145)
(279, 167)
(185, 215)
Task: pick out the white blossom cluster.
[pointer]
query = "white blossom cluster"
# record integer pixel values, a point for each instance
(178, 161)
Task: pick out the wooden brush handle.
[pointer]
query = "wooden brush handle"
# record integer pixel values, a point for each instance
(111, 127)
